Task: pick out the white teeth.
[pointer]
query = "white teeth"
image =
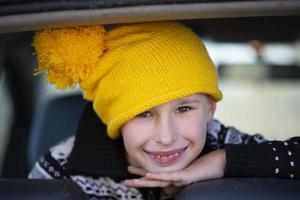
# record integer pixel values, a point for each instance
(164, 158)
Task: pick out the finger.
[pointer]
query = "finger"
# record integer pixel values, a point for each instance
(145, 183)
(137, 170)
(167, 176)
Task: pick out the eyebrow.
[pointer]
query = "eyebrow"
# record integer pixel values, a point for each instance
(184, 101)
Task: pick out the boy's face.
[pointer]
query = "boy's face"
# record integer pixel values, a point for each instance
(170, 136)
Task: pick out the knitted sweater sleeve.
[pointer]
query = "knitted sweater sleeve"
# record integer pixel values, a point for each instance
(274, 158)
(254, 156)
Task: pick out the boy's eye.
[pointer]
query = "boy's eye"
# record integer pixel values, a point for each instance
(183, 109)
(144, 114)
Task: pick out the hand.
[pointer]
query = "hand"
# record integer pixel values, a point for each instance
(168, 187)
(209, 166)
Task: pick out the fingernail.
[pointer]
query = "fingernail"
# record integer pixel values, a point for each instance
(128, 183)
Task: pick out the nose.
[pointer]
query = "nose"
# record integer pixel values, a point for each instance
(166, 132)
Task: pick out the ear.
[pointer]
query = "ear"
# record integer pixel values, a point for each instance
(211, 108)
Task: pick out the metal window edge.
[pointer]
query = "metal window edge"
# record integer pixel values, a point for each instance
(56, 19)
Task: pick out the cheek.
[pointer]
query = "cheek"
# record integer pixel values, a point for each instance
(135, 136)
(193, 126)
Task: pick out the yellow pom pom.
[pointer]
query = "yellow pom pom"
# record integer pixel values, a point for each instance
(69, 54)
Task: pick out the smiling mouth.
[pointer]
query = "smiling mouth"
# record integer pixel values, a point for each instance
(166, 157)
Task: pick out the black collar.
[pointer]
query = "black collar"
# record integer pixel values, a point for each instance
(94, 153)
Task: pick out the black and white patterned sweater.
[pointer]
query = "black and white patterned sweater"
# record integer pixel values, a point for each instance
(96, 163)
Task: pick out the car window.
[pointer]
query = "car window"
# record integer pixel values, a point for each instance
(261, 90)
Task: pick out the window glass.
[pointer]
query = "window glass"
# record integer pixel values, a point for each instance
(261, 87)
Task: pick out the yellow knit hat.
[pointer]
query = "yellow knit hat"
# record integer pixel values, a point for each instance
(128, 69)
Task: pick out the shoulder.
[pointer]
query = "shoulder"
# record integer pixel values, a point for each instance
(52, 164)
(61, 151)
(214, 128)
(221, 134)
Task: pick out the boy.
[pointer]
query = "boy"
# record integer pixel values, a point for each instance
(155, 88)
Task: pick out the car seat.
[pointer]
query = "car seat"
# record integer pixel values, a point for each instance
(54, 121)
(22, 189)
(242, 188)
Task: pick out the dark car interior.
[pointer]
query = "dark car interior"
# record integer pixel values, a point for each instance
(37, 121)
